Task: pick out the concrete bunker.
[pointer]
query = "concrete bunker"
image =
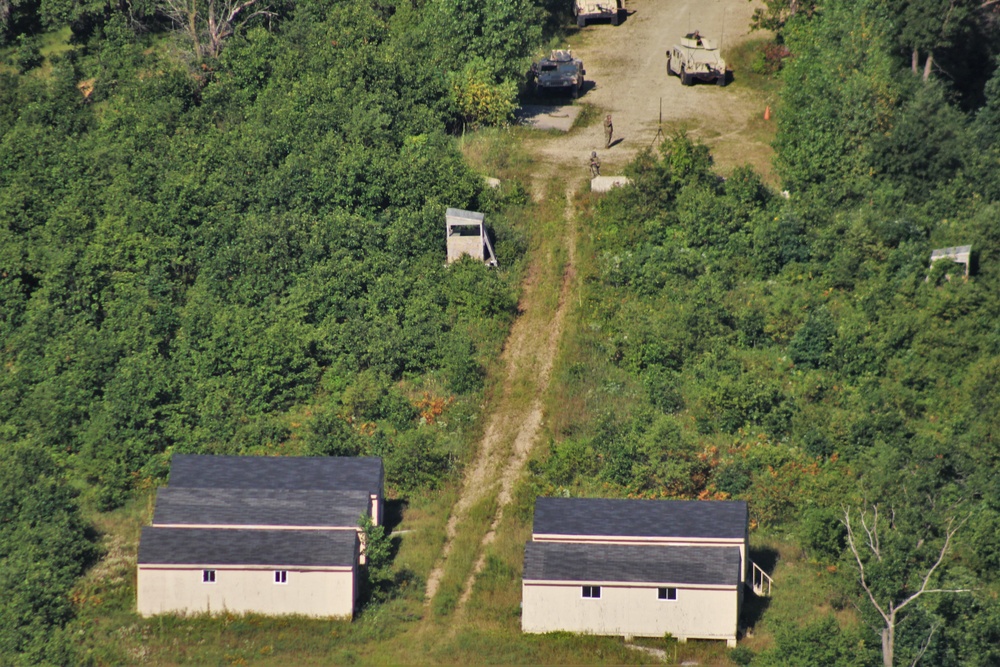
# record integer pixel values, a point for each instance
(959, 255)
(467, 236)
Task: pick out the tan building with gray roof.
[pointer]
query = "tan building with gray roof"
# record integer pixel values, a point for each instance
(195, 570)
(636, 568)
(269, 535)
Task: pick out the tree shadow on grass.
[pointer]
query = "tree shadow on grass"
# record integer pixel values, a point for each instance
(393, 510)
(766, 558)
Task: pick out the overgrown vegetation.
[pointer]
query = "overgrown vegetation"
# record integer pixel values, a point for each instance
(799, 353)
(237, 248)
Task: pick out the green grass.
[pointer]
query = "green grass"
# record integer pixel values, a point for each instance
(589, 115)
(803, 591)
(464, 553)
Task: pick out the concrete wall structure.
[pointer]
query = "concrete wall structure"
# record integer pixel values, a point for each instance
(311, 591)
(708, 612)
(607, 183)
(466, 235)
(465, 245)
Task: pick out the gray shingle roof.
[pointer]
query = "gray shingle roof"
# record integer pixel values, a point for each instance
(660, 564)
(262, 507)
(223, 546)
(720, 519)
(327, 473)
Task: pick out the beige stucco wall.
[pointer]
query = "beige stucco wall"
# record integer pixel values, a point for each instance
(626, 609)
(465, 245)
(179, 589)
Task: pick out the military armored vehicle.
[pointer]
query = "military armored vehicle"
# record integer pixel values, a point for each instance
(560, 72)
(586, 10)
(696, 58)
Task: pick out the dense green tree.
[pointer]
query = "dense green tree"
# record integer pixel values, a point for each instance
(44, 546)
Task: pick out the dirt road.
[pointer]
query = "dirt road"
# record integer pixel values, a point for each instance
(628, 64)
(626, 74)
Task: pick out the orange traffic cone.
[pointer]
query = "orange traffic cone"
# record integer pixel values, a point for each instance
(767, 112)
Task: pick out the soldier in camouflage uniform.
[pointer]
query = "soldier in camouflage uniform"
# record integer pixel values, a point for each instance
(595, 165)
(609, 130)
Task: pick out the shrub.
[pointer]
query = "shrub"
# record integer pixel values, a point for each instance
(479, 100)
(822, 533)
(810, 344)
(662, 389)
(770, 58)
(741, 655)
(417, 459)
(28, 55)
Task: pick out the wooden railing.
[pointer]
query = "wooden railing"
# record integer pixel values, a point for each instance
(761, 581)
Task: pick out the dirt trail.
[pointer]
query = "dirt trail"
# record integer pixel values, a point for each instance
(528, 356)
(628, 65)
(528, 432)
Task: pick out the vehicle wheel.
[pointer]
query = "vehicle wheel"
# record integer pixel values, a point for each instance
(685, 79)
(580, 21)
(614, 19)
(721, 81)
(670, 71)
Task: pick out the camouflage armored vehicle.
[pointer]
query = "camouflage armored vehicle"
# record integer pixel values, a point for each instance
(586, 10)
(696, 58)
(560, 71)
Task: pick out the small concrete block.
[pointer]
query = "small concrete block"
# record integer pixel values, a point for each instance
(492, 182)
(605, 183)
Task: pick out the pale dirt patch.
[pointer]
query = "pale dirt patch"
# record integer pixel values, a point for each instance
(548, 116)
(628, 67)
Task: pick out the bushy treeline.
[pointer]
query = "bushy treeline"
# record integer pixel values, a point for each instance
(187, 256)
(241, 254)
(44, 547)
(801, 354)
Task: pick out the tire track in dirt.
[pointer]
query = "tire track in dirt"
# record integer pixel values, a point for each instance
(503, 450)
(531, 427)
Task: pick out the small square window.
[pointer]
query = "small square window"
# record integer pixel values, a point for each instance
(667, 593)
(208, 576)
(281, 576)
(592, 591)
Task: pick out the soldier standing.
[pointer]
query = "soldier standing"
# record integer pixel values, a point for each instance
(595, 165)
(609, 129)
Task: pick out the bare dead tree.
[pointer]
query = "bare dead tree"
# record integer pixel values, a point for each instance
(889, 609)
(208, 23)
